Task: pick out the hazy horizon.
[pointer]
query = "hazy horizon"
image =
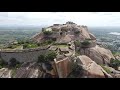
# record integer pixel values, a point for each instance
(90, 19)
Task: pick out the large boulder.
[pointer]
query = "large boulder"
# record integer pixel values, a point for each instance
(92, 36)
(98, 54)
(63, 67)
(93, 70)
(5, 73)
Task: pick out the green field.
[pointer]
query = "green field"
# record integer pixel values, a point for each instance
(10, 35)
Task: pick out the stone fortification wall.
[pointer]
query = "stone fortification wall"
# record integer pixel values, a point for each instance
(26, 55)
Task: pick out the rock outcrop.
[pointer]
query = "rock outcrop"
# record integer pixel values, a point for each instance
(65, 32)
(5, 73)
(98, 54)
(63, 67)
(92, 69)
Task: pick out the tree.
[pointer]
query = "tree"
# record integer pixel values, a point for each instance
(50, 56)
(41, 59)
(13, 62)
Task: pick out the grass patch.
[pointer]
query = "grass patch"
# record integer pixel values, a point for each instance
(30, 45)
(116, 53)
(77, 53)
(106, 69)
(13, 72)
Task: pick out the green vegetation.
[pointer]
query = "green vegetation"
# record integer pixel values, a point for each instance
(116, 53)
(32, 45)
(47, 32)
(77, 71)
(13, 72)
(77, 53)
(46, 42)
(77, 32)
(14, 47)
(13, 63)
(106, 69)
(114, 63)
(41, 59)
(85, 43)
(23, 44)
(3, 63)
(7, 35)
(49, 56)
(77, 43)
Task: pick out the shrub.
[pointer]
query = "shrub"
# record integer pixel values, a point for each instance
(85, 43)
(50, 56)
(25, 46)
(18, 65)
(49, 41)
(114, 63)
(47, 32)
(20, 42)
(77, 32)
(77, 43)
(10, 46)
(106, 69)
(13, 62)
(45, 58)
(38, 44)
(41, 59)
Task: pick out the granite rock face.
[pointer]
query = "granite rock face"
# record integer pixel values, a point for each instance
(93, 70)
(98, 54)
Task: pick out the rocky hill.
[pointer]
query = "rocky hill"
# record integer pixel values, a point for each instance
(66, 33)
(78, 55)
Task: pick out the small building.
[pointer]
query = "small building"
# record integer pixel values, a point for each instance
(53, 48)
(64, 50)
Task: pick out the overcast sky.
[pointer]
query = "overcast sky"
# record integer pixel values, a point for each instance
(49, 18)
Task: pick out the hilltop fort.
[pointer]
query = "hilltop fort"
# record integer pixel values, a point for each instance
(73, 44)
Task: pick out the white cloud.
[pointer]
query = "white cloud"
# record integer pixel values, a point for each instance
(49, 18)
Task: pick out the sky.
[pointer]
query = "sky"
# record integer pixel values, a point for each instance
(49, 18)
